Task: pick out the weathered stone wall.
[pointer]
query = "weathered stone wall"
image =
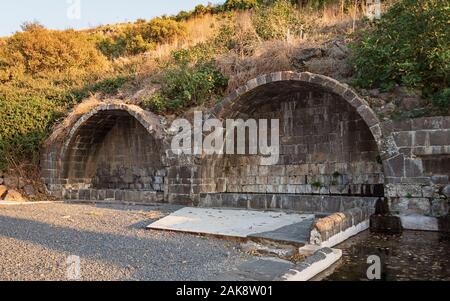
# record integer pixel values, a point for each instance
(127, 158)
(330, 141)
(417, 177)
(113, 153)
(326, 148)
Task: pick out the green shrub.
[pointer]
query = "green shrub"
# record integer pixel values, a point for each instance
(189, 80)
(109, 86)
(409, 45)
(240, 4)
(277, 21)
(442, 100)
(156, 103)
(24, 124)
(140, 37)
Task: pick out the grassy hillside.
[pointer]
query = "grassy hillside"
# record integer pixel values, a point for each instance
(172, 63)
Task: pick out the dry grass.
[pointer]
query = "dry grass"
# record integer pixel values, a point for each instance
(269, 57)
(252, 57)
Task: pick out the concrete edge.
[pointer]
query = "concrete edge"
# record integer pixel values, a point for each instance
(346, 234)
(313, 265)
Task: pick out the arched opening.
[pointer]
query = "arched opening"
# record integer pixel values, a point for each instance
(329, 157)
(112, 155)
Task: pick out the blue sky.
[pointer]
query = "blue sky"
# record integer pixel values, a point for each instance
(54, 13)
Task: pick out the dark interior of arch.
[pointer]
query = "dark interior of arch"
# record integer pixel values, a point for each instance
(112, 150)
(326, 147)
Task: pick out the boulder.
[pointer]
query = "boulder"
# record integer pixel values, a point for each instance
(388, 224)
(14, 196)
(338, 51)
(21, 183)
(3, 190)
(374, 92)
(388, 109)
(305, 55)
(409, 103)
(29, 190)
(11, 181)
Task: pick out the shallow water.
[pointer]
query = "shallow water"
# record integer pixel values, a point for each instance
(413, 255)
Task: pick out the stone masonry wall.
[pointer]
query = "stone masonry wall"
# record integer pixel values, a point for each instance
(418, 177)
(326, 148)
(113, 153)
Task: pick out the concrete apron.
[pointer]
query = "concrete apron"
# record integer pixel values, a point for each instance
(281, 227)
(273, 226)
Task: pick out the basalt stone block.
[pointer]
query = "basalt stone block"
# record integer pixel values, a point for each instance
(439, 207)
(331, 204)
(228, 199)
(258, 201)
(85, 194)
(388, 224)
(119, 195)
(110, 194)
(242, 201)
(420, 206)
(101, 195)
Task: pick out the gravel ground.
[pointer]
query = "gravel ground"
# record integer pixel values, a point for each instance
(111, 241)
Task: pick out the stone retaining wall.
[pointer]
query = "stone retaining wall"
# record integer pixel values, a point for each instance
(417, 176)
(300, 203)
(114, 195)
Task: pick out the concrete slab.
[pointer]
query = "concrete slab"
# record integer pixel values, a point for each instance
(238, 223)
(298, 233)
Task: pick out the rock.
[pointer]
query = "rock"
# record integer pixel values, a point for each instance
(385, 96)
(3, 190)
(14, 196)
(29, 190)
(440, 179)
(388, 108)
(388, 224)
(305, 55)
(446, 191)
(338, 51)
(409, 103)
(374, 92)
(1, 181)
(11, 181)
(21, 183)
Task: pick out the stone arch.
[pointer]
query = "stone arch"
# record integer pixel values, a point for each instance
(273, 90)
(236, 101)
(113, 152)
